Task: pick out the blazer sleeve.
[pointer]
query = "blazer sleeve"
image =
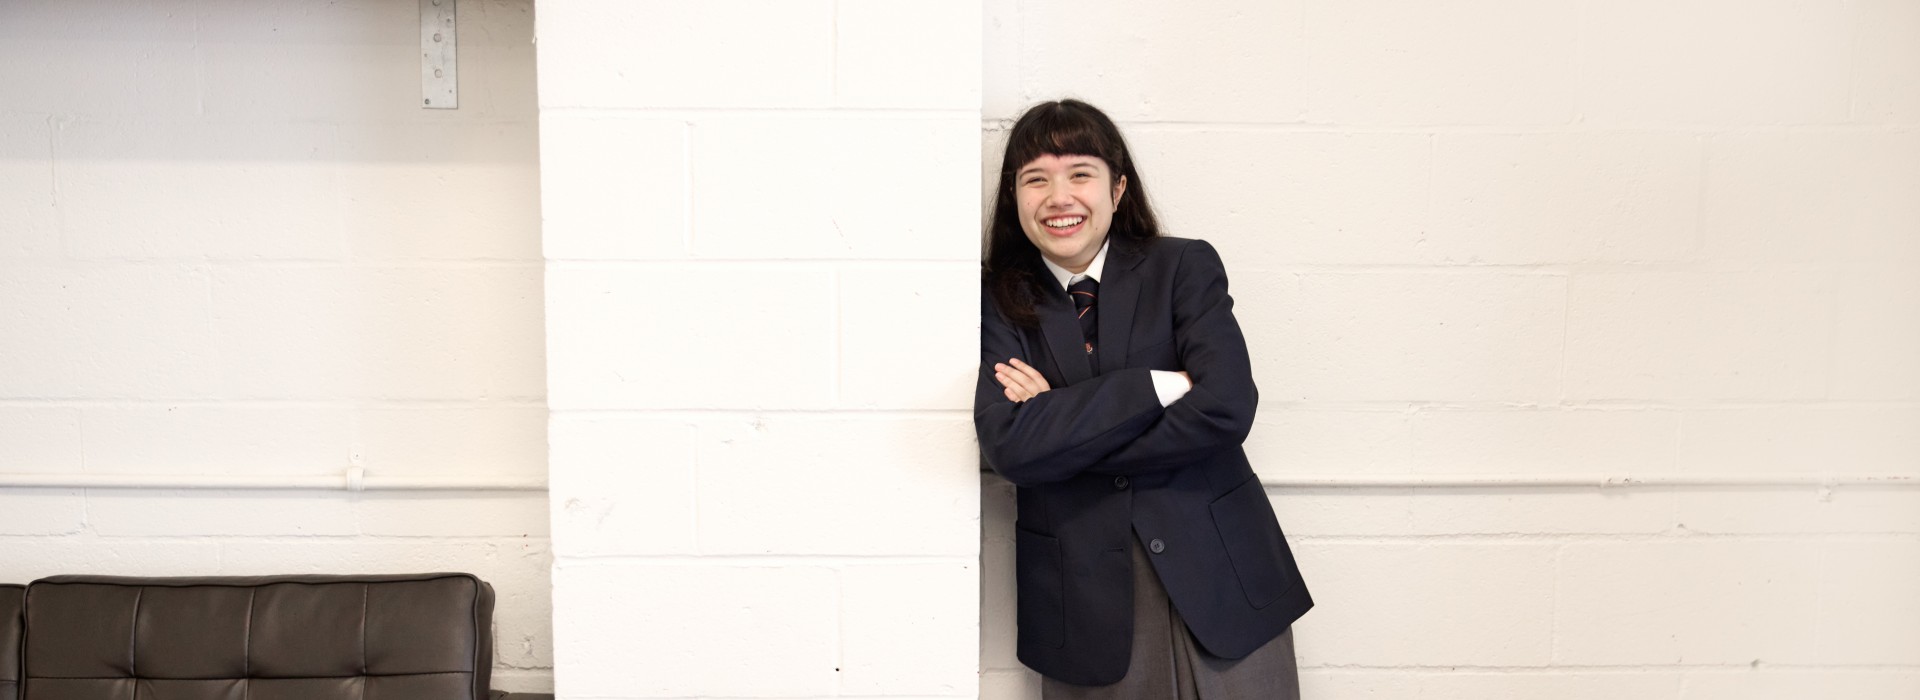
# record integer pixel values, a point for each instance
(1218, 412)
(1058, 434)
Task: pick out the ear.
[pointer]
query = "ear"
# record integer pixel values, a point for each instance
(1119, 189)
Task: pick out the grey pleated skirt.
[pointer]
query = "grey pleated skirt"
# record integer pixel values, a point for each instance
(1168, 665)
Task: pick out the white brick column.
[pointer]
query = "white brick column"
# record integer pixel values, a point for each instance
(761, 231)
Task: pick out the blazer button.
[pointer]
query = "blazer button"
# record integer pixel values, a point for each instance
(1119, 482)
(1156, 546)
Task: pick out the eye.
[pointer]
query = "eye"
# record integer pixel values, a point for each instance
(1033, 181)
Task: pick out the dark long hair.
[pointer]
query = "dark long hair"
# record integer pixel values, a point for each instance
(1011, 267)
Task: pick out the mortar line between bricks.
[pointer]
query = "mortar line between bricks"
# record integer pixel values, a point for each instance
(1265, 418)
(751, 112)
(745, 413)
(878, 696)
(836, 341)
(1822, 590)
(210, 320)
(347, 263)
(1542, 129)
(232, 120)
(1702, 190)
(839, 632)
(589, 561)
(1535, 538)
(1553, 602)
(1566, 332)
(1579, 54)
(53, 175)
(1823, 483)
(1829, 346)
(776, 263)
(1612, 668)
(694, 468)
(688, 216)
(1553, 268)
(153, 483)
(1405, 405)
(1850, 14)
(266, 539)
(1513, 269)
(833, 82)
(508, 402)
(1372, 540)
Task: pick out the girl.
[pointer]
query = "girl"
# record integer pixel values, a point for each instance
(1115, 392)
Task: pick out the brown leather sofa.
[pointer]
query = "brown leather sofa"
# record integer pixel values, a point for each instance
(11, 596)
(387, 637)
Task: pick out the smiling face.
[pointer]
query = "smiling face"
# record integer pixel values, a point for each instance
(1066, 206)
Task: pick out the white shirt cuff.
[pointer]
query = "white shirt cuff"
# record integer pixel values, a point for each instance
(1170, 386)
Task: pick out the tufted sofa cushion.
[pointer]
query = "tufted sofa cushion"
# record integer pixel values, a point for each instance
(10, 597)
(411, 637)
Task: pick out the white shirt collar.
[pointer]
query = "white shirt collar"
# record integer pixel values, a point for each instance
(1093, 269)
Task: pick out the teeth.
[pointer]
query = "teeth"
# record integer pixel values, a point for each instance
(1065, 222)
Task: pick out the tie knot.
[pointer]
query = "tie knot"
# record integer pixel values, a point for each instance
(1083, 292)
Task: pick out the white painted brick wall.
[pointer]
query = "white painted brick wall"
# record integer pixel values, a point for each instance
(232, 243)
(1488, 238)
(762, 288)
(1384, 63)
(1537, 239)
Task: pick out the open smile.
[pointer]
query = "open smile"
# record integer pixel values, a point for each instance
(1064, 225)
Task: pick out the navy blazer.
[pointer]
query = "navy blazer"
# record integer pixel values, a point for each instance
(1097, 460)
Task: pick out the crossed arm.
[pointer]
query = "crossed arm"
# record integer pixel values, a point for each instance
(1024, 382)
(1032, 433)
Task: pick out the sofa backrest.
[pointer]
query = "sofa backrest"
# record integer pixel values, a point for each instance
(10, 598)
(412, 637)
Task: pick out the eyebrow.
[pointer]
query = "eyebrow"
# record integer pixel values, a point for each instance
(1082, 162)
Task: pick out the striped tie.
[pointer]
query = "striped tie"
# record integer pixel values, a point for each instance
(1083, 294)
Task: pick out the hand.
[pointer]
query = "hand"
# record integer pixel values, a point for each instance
(1021, 380)
(1183, 375)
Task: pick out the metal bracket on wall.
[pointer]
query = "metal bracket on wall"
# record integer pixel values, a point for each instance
(439, 82)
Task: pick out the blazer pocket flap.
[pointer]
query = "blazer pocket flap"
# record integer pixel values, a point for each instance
(1041, 589)
(1256, 546)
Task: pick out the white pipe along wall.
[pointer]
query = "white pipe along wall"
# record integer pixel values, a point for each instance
(1587, 333)
(260, 312)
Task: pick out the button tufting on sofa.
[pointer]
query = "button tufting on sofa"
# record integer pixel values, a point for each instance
(312, 637)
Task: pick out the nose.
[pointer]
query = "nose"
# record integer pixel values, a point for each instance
(1058, 195)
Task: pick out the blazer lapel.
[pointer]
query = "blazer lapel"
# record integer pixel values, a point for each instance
(1119, 289)
(1062, 332)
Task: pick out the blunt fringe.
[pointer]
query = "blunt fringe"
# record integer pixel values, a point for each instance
(1010, 265)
